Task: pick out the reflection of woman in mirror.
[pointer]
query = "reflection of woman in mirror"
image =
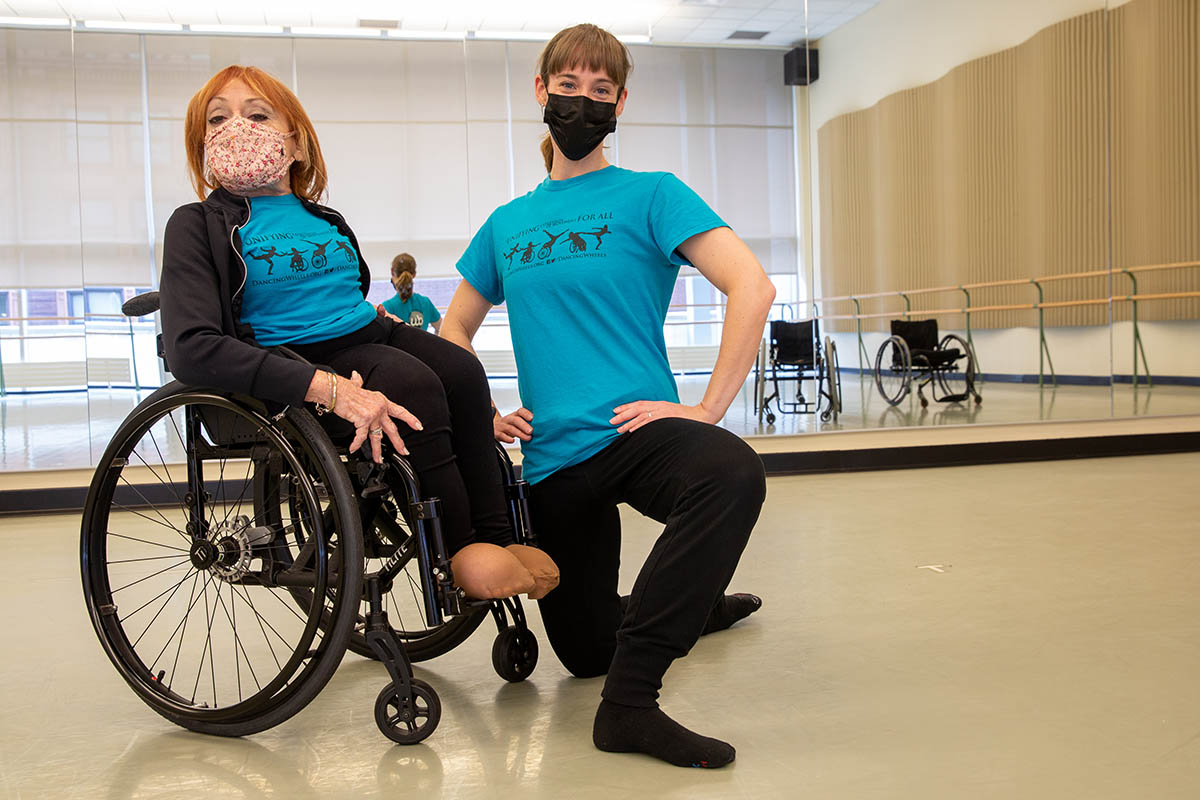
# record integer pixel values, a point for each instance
(406, 305)
(253, 149)
(601, 422)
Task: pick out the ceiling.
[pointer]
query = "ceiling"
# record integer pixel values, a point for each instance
(685, 21)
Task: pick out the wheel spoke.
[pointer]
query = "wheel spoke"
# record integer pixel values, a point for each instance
(185, 560)
(146, 541)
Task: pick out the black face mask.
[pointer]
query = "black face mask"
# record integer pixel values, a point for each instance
(578, 124)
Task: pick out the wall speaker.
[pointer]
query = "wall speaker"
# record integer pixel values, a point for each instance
(800, 66)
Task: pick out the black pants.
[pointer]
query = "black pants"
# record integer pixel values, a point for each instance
(707, 486)
(445, 387)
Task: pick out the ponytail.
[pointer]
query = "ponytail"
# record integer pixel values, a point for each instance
(404, 269)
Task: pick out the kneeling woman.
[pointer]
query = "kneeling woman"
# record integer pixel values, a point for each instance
(602, 423)
(259, 263)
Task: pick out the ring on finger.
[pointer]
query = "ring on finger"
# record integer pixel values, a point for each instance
(377, 431)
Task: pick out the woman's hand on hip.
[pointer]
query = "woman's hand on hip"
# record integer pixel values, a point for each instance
(510, 427)
(371, 414)
(632, 416)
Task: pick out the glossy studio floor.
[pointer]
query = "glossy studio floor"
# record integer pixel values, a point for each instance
(1023, 630)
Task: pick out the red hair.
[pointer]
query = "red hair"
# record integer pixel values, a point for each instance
(307, 173)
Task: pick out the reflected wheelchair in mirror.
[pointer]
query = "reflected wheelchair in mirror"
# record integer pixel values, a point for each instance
(913, 351)
(795, 355)
(231, 553)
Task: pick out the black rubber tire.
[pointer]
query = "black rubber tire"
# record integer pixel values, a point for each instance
(403, 723)
(338, 564)
(893, 370)
(515, 654)
(959, 382)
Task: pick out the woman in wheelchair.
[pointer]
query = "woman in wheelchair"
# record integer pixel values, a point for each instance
(255, 162)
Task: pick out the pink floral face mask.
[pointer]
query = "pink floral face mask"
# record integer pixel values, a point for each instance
(245, 156)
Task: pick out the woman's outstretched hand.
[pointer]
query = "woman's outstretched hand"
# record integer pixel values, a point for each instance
(510, 427)
(632, 416)
(369, 411)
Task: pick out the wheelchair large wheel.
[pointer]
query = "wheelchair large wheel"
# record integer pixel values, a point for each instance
(893, 370)
(956, 380)
(833, 383)
(190, 567)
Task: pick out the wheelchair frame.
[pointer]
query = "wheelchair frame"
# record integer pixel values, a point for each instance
(316, 561)
(937, 366)
(783, 367)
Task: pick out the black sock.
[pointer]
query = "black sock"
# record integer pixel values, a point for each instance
(729, 609)
(632, 729)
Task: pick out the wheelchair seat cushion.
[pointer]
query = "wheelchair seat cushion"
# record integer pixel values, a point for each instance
(936, 358)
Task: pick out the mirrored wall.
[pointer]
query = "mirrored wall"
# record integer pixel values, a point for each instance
(1025, 176)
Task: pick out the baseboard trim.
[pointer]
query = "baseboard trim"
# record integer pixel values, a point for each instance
(65, 499)
(976, 453)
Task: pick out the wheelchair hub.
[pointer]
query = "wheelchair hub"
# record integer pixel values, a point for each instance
(229, 548)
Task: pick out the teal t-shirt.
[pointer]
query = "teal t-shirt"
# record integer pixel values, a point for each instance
(587, 267)
(418, 311)
(302, 276)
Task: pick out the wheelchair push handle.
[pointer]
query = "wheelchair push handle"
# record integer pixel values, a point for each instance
(140, 305)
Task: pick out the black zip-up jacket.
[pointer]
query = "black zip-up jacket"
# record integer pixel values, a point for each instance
(200, 293)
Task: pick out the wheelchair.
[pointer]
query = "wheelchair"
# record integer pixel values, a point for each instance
(217, 528)
(795, 354)
(914, 350)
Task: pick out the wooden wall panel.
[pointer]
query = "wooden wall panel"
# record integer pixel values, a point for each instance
(1156, 150)
(999, 170)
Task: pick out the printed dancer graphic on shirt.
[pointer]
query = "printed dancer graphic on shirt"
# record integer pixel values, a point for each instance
(544, 250)
(509, 255)
(318, 259)
(348, 251)
(599, 233)
(578, 245)
(267, 256)
(527, 256)
(297, 264)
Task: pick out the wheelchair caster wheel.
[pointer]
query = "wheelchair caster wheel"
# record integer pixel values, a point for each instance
(515, 654)
(924, 403)
(408, 720)
(770, 418)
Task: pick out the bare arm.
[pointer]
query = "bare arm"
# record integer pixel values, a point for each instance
(728, 264)
(464, 316)
(462, 321)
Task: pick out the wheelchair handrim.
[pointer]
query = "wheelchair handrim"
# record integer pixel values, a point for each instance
(99, 593)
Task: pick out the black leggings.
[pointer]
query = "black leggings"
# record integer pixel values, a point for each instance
(445, 387)
(707, 486)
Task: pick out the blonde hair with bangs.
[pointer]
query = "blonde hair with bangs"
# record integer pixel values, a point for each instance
(307, 174)
(587, 46)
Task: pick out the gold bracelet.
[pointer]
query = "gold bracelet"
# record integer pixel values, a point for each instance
(332, 395)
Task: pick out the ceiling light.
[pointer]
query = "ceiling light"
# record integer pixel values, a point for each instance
(121, 25)
(35, 22)
(635, 38)
(453, 36)
(195, 28)
(355, 32)
(515, 36)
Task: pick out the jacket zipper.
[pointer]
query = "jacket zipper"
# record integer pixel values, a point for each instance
(245, 269)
